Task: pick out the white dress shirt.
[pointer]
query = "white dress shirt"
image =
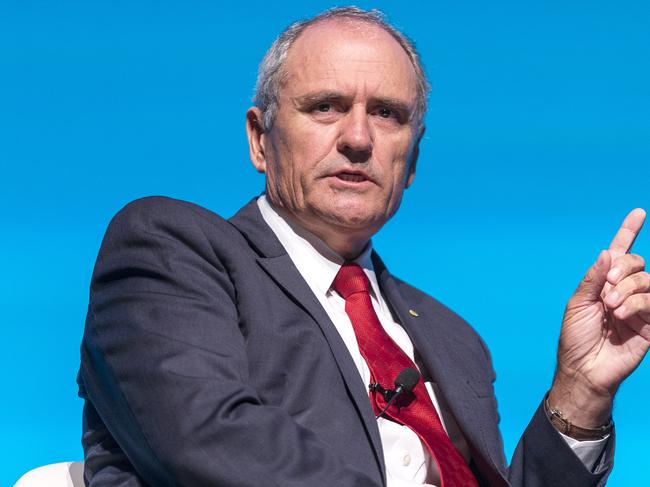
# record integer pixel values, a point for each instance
(408, 462)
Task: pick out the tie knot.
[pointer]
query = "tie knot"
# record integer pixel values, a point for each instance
(349, 280)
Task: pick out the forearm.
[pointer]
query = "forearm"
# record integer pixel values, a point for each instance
(583, 404)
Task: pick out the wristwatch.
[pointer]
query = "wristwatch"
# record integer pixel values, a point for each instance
(564, 426)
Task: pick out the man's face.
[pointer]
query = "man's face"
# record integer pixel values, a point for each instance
(343, 145)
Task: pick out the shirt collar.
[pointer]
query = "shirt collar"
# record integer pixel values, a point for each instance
(310, 254)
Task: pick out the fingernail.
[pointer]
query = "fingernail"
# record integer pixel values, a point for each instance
(612, 298)
(614, 274)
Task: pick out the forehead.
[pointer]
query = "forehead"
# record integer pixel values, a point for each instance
(349, 56)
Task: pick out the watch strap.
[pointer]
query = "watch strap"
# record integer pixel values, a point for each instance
(564, 425)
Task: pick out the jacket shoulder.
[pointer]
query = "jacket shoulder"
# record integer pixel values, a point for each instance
(168, 230)
(169, 218)
(156, 208)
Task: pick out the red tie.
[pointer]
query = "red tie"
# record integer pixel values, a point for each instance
(385, 361)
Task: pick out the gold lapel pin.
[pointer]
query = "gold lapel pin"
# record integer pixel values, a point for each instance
(412, 312)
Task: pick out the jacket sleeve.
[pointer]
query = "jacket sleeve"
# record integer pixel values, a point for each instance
(543, 458)
(164, 366)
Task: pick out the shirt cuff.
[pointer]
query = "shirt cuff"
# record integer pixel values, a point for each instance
(588, 451)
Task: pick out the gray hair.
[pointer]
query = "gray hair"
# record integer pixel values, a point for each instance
(271, 73)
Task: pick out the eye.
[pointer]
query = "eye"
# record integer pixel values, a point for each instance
(324, 107)
(385, 112)
(390, 114)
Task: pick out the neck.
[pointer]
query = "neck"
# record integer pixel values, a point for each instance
(342, 241)
(347, 248)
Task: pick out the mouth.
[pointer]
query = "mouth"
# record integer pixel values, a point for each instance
(352, 176)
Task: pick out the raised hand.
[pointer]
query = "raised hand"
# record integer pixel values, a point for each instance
(605, 332)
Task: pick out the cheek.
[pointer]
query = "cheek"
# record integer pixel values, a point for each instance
(278, 170)
(289, 173)
(395, 167)
(397, 174)
(312, 153)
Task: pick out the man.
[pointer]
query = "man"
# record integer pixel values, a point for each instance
(269, 349)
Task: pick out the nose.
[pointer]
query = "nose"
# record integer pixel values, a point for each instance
(356, 138)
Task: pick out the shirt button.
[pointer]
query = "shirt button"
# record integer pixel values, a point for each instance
(406, 461)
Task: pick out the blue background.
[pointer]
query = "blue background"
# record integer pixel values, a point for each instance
(537, 145)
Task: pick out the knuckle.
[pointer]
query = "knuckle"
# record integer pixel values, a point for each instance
(624, 287)
(632, 302)
(639, 281)
(639, 301)
(629, 263)
(636, 261)
(644, 279)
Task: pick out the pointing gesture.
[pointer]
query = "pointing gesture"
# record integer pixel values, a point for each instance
(626, 235)
(605, 332)
(626, 293)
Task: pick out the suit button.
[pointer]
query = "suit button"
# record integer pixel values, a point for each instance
(406, 461)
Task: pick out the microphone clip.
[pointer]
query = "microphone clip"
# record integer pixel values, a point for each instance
(387, 393)
(404, 384)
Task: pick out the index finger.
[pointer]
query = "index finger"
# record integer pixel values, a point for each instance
(624, 238)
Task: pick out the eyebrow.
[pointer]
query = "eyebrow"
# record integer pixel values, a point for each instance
(319, 96)
(311, 99)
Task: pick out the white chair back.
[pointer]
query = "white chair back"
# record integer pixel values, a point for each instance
(66, 474)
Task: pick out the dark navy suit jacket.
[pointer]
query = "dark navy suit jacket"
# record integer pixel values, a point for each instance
(207, 361)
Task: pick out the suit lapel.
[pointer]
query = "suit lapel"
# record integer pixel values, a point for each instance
(447, 366)
(279, 266)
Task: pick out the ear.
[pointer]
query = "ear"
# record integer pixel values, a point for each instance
(256, 138)
(415, 152)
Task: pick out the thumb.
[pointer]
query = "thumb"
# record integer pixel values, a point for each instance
(592, 284)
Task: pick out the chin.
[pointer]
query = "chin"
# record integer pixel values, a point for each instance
(356, 220)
